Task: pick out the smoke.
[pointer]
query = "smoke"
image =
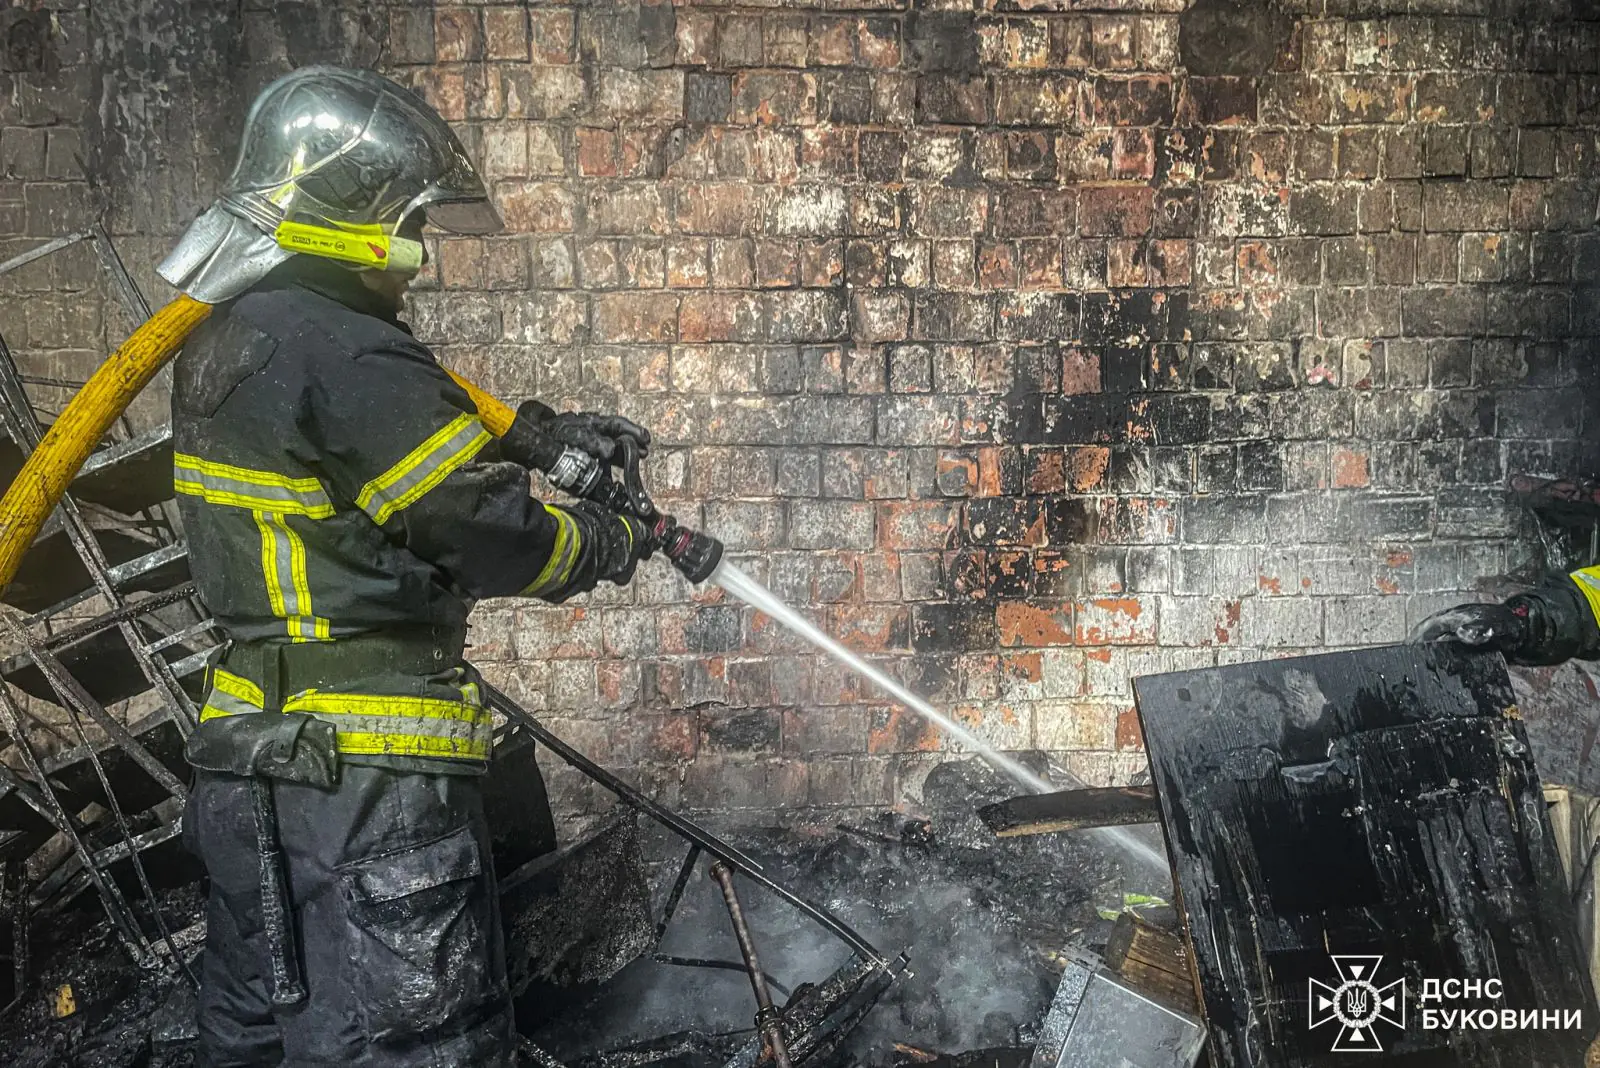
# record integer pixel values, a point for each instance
(985, 922)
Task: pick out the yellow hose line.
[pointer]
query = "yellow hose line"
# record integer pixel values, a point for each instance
(38, 487)
(495, 415)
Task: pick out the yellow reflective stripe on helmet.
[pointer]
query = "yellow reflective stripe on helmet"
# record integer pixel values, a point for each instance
(424, 467)
(365, 244)
(247, 487)
(563, 555)
(1588, 582)
(283, 569)
(231, 695)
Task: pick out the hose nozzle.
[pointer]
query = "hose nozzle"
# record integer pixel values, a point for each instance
(694, 554)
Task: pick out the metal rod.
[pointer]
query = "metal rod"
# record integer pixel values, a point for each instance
(77, 699)
(41, 251)
(685, 829)
(767, 1020)
(677, 892)
(111, 898)
(111, 619)
(718, 965)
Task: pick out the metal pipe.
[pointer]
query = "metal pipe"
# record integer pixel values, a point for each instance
(767, 1020)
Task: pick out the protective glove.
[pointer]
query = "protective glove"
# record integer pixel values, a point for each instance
(1481, 626)
(612, 546)
(590, 432)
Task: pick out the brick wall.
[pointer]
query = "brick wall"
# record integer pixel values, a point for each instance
(1025, 345)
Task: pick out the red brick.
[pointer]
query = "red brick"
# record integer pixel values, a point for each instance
(597, 152)
(723, 208)
(1086, 468)
(1114, 621)
(635, 317)
(1110, 211)
(879, 42)
(550, 31)
(536, 207)
(505, 33)
(1171, 262)
(1023, 624)
(696, 35)
(720, 317)
(899, 730)
(1125, 264)
(1046, 471)
(1350, 469)
(1080, 371)
(456, 36)
(1112, 38)
(1129, 734)
(872, 628)
(1139, 101)
(917, 524)
(687, 264)
(996, 265)
(1221, 101)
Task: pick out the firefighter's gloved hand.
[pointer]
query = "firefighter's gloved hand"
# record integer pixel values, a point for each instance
(618, 542)
(590, 432)
(1482, 626)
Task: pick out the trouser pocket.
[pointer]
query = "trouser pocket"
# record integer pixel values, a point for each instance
(421, 918)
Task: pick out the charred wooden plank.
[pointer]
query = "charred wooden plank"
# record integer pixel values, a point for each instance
(1153, 961)
(1379, 805)
(1071, 810)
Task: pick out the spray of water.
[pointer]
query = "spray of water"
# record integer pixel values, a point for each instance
(753, 593)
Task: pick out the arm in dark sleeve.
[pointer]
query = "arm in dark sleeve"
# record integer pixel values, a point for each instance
(402, 442)
(1563, 618)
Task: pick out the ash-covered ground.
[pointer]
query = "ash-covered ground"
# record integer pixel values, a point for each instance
(982, 919)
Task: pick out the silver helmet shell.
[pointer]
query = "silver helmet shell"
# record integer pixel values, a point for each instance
(333, 162)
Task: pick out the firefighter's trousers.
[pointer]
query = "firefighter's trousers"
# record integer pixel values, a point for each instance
(396, 923)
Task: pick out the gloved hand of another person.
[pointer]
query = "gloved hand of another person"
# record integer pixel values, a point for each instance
(1482, 626)
(590, 432)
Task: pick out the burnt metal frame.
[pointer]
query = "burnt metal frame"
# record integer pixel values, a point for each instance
(20, 421)
(700, 839)
(845, 997)
(26, 431)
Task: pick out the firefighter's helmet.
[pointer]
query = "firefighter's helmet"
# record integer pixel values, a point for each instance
(338, 163)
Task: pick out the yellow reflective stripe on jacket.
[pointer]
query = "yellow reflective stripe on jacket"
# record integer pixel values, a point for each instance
(424, 467)
(283, 567)
(1588, 582)
(247, 487)
(376, 724)
(563, 555)
(231, 695)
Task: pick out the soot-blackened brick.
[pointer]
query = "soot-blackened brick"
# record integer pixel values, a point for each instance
(740, 731)
(953, 628)
(1004, 521)
(1071, 520)
(1178, 419)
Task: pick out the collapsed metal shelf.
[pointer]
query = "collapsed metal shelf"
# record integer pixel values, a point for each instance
(102, 615)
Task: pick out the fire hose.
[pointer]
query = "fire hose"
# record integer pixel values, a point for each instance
(44, 478)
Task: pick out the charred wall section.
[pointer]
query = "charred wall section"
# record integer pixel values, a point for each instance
(1026, 343)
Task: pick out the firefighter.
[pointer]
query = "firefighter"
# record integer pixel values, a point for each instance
(344, 508)
(1549, 624)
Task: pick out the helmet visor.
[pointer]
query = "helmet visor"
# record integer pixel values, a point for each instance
(470, 217)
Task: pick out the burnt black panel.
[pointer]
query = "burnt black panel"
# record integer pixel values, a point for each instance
(1380, 802)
